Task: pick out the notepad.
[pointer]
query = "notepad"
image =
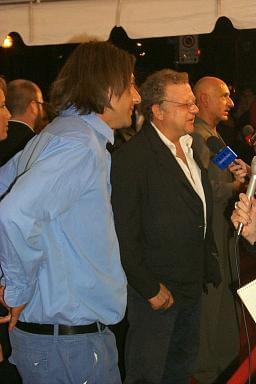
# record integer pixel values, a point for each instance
(247, 294)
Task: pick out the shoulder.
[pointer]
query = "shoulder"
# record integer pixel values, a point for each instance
(128, 146)
(71, 131)
(20, 130)
(131, 160)
(137, 147)
(201, 128)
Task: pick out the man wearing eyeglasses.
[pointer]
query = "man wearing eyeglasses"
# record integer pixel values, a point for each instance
(25, 102)
(220, 316)
(162, 208)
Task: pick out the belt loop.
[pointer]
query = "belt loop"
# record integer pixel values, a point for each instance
(55, 330)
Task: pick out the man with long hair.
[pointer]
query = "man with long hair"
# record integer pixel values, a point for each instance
(59, 252)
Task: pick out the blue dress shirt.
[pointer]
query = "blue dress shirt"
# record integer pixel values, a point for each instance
(58, 247)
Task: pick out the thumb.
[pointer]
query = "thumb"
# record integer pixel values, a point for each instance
(15, 314)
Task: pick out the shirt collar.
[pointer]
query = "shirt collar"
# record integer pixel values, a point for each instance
(185, 141)
(93, 120)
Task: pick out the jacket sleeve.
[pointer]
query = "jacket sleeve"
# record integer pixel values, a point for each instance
(128, 187)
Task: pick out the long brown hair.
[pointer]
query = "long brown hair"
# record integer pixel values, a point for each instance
(93, 72)
(3, 85)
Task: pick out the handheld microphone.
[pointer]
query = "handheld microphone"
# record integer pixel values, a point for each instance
(249, 135)
(252, 140)
(250, 189)
(247, 130)
(224, 156)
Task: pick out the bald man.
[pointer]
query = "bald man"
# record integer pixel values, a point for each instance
(24, 100)
(220, 315)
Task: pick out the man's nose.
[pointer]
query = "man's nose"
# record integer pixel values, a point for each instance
(230, 102)
(136, 96)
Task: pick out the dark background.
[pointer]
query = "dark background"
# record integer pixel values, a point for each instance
(226, 53)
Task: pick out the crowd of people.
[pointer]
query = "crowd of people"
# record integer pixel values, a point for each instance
(88, 228)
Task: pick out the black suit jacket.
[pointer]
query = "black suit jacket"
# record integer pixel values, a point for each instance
(160, 221)
(18, 136)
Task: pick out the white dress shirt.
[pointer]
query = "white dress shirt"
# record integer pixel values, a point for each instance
(192, 170)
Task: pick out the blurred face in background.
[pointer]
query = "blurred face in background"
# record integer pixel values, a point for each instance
(39, 111)
(4, 117)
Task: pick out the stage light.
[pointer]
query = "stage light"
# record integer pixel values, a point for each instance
(198, 52)
(8, 42)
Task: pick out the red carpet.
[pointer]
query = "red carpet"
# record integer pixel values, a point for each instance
(242, 374)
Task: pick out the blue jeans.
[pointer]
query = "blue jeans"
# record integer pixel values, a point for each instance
(89, 358)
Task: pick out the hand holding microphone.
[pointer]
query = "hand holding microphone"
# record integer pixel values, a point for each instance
(240, 171)
(245, 210)
(245, 214)
(224, 157)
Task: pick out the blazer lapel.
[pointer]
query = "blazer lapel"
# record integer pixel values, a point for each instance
(205, 182)
(171, 170)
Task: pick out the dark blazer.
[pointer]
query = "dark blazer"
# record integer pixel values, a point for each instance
(159, 220)
(18, 136)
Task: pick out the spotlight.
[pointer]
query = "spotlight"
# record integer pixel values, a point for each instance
(8, 42)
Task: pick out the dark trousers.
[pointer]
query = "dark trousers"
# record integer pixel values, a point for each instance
(161, 346)
(8, 372)
(4, 335)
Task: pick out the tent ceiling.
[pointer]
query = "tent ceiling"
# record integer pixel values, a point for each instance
(59, 22)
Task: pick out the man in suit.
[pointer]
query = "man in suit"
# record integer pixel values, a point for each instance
(220, 339)
(162, 209)
(25, 102)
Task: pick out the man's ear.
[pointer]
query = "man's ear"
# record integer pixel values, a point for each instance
(110, 94)
(204, 99)
(32, 108)
(157, 111)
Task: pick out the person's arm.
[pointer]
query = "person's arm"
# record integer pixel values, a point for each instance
(8, 173)
(41, 194)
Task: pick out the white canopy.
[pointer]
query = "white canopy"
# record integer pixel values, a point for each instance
(58, 22)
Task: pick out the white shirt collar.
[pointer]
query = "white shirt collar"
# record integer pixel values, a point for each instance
(185, 141)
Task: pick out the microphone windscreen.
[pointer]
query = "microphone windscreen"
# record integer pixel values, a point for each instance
(214, 144)
(223, 155)
(247, 130)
